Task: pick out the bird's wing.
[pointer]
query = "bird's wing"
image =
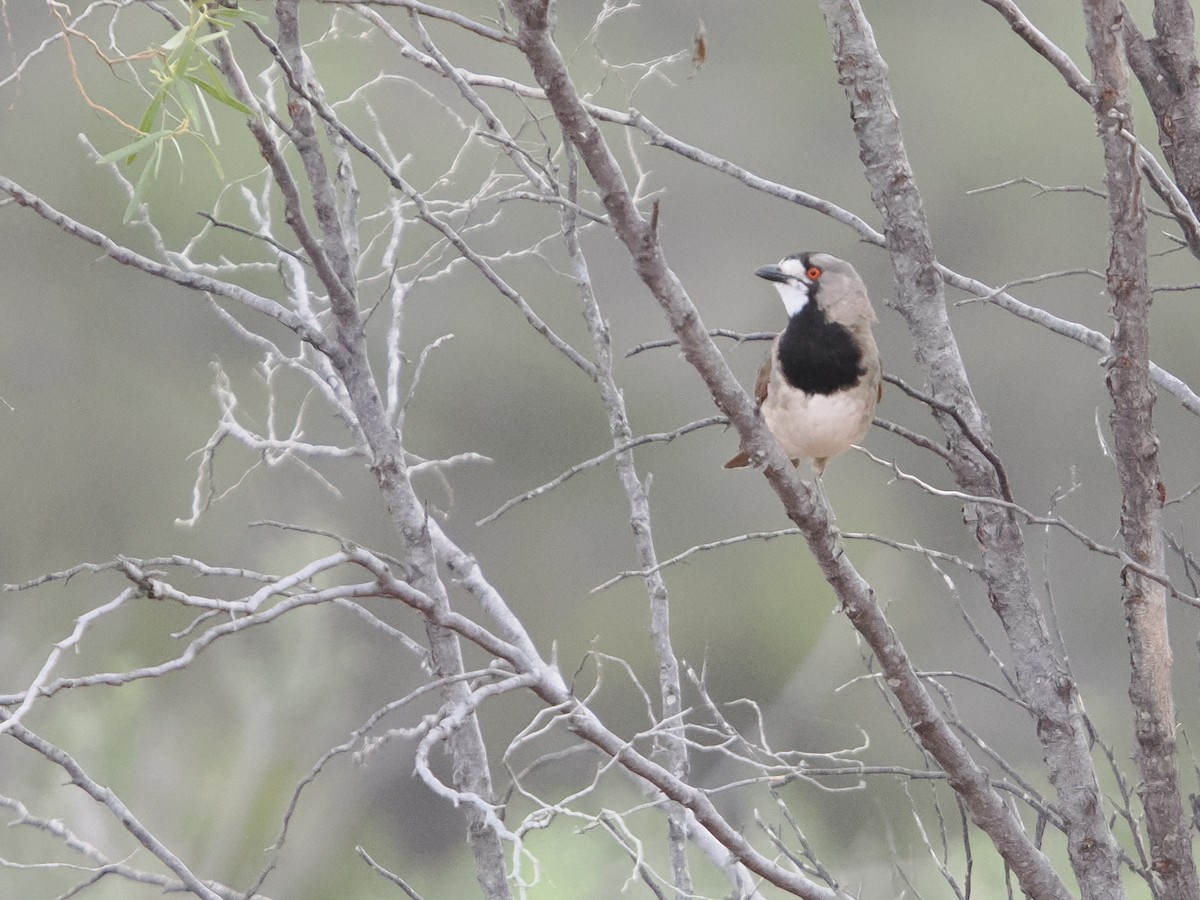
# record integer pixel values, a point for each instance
(764, 377)
(875, 372)
(761, 383)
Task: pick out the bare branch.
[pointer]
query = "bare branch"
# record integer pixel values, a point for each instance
(422, 207)
(81, 625)
(390, 876)
(101, 866)
(1165, 65)
(1044, 47)
(192, 281)
(1180, 209)
(692, 551)
(988, 810)
(968, 431)
(434, 12)
(1039, 671)
(738, 336)
(1136, 450)
(619, 448)
(660, 138)
(1033, 518)
(107, 798)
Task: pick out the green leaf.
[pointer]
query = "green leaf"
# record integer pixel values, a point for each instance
(151, 114)
(179, 59)
(175, 145)
(139, 189)
(175, 40)
(206, 39)
(208, 119)
(213, 157)
(135, 148)
(246, 15)
(161, 72)
(186, 98)
(217, 92)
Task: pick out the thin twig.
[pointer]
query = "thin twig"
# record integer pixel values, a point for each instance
(1032, 518)
(738, 336)
(968, 432)
(386, 873)
(622, 447)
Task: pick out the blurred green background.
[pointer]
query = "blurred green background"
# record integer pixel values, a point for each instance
(107, 380)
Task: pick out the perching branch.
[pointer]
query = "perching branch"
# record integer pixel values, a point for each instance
(987, 809)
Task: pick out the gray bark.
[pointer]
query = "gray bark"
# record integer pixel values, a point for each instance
(1136, 449)
(1041, 674)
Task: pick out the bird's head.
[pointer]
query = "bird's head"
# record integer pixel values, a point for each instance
(826, 280)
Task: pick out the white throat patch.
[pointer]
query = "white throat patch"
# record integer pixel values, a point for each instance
(794, 295)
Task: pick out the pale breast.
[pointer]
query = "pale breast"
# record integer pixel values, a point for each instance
(818, 426)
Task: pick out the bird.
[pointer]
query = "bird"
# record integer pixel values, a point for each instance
(821, 379)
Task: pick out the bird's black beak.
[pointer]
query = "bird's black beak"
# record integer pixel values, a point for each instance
(772, 273)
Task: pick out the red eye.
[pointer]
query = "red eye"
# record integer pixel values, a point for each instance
(813, 273)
